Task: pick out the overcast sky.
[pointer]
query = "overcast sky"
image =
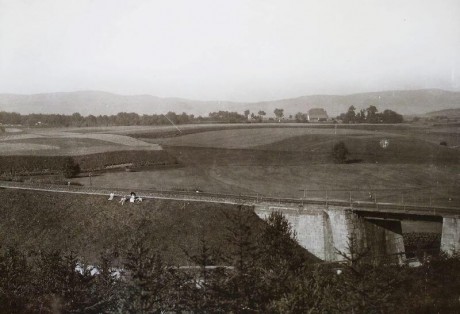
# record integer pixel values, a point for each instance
(238, 50)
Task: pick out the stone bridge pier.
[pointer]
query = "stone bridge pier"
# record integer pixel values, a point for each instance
(335, 233)
(450, 239)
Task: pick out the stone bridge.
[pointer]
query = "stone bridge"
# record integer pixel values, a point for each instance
(328, 230)
(333, 232)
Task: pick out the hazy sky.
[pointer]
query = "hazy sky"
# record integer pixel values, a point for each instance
(239, 50)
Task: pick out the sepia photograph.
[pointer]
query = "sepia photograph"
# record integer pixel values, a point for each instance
(211, 156)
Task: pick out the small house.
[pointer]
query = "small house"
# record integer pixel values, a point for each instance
(317, 115)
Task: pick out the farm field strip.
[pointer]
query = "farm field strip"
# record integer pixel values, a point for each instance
(246, 138)
(13, 148)
(44, 150)
(23, 136)
(113, 138)
(48, 143)
(204, 127)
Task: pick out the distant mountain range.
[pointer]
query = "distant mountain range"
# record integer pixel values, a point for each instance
(407, 102)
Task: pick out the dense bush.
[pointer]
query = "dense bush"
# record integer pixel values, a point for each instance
(339, 152)
(370, 115)
(20, 165)
(70, 166)
(137, 158)
(70, 169)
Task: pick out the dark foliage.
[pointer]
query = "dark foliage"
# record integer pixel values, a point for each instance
(70, 169)
(77, 120)
(227, 117)
(70, 166)
(279, 113)
(54, 282)
(301, 117)
(137, 158)
(17, 165)
(273, 276)
(339, 153)
(370, 115)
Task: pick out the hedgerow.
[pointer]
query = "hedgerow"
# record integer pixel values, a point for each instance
(35, 165)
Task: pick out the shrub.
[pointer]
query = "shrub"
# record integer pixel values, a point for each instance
(339, 153)
(70, 169)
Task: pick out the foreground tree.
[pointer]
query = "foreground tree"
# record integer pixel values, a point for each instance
(150, 286)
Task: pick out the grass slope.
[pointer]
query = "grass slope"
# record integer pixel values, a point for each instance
(247, 138)
(367, 148)
(89, 224)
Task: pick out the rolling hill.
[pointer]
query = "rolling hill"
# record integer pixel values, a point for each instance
(96, 102)
(451, 113)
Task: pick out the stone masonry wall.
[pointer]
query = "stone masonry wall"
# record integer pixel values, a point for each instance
(450, 239)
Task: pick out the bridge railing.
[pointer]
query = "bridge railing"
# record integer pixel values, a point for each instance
(383, 199)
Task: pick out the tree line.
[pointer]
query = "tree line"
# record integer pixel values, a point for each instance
(77, 120)
(370, 115)
(129, 118)
(269, 275)
(120, 119)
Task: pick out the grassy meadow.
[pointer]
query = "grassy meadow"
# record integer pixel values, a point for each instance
(295, 160)
(278, 160)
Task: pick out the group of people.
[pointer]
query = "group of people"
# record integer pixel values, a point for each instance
(132, 198)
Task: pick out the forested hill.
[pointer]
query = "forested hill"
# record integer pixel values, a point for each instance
(103, 103)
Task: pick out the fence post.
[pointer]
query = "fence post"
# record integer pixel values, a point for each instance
(430, 199)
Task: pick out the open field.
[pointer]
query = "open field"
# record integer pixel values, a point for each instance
(247, 138)
(43, 142)
(291, 160)
(297, 162)
(288, 161)
(401, 184)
